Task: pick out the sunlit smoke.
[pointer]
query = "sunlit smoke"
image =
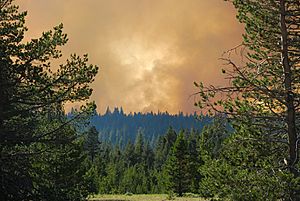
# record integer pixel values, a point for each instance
(149, 51)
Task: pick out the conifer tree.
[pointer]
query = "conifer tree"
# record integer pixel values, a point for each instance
(139, 146)
(163, 147)
(263, 100)
(177, 166)
(92, 143)
(129, 154)
(194, 161)
(32, 97)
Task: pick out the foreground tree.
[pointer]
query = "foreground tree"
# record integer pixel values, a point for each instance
(177, 167)
(263, 99)
(34, 133)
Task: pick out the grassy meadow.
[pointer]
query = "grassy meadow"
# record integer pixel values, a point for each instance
(142, 197)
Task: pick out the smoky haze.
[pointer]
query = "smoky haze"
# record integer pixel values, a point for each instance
(149, 51)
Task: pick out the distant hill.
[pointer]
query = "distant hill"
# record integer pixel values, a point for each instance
(116, 127)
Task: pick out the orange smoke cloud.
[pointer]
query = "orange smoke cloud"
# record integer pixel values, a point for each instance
(149, 51)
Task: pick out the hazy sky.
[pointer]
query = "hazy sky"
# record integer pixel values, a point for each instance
(149, 51)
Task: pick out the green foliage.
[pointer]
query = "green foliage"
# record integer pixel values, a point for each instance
(60, 174)
(177, 166)
(243, 172)
(194, 161)
(92, 144)
(92, 179)
(259, 159)
(119, 128)
(136, 169)
(164, 146)
(41, 157)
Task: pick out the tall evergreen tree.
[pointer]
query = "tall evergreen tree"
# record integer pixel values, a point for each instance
(177, 166)
(139, 146)
(164, 146)
(194, 161)
(263, 99)
(129, 154)
(92, 143)
(32, 122)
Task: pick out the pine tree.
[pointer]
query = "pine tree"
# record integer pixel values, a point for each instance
(62, 174)
(32, 122)
(139, 146)
(92, 143)
(163, 147)
(129, 154)
(263, 100)
(177, 166)
(194, 161)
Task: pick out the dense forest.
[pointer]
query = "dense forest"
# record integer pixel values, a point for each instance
(247, 150)
(174, 164)
(140, 168)
(117, 127)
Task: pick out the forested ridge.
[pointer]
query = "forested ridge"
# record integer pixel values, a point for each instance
(116, 127)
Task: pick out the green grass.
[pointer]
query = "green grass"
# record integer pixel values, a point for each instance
(141, 197)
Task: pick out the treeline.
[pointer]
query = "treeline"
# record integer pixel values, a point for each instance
(116, 127)
(172, 165)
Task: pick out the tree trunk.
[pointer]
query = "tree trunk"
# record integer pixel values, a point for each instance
(289, 95)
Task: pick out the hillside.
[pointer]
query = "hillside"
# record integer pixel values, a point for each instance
(117, 127)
